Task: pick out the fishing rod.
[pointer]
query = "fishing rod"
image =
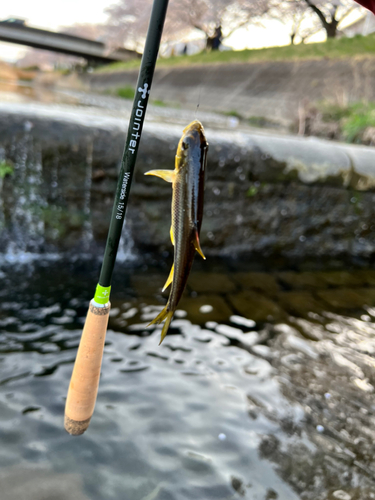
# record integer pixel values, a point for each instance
(84, 382)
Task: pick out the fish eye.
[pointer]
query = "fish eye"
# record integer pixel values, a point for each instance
(185, 145)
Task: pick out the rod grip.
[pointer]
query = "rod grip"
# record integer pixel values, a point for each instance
(83, 387)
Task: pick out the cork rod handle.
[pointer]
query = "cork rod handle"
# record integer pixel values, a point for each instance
(84, 383)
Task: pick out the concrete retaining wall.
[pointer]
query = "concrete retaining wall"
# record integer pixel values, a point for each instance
(265, 195)
(268, 89)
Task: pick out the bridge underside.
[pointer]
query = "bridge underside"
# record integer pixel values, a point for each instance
(94, 52)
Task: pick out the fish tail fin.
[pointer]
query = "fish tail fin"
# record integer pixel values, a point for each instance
(169, 280)
(166, 326)
(160, 317)
(163, 315)
(197, 245)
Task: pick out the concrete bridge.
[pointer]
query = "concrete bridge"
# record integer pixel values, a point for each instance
(93, 52)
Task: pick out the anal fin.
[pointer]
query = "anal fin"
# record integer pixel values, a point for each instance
(197, 245)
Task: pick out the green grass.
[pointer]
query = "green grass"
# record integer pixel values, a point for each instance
(252, 191)
(333, 112)
(233, 113)
(353, 119)
(261, 122)
(6, 168)
(158, 102)
(331, 49)
(126, 92)
(362, 116)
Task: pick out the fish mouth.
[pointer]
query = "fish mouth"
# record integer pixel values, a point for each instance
(194, 126)
(194, 132)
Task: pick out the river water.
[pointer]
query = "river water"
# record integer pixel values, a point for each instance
(262, 390)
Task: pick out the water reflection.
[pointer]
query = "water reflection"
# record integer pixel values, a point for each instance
(233, 404)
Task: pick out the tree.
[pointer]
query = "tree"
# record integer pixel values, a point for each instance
(297, 17)
(331, 13)
(128, 19)
(306, 17)
(328, 13)
(218, 19)
(292, 14)
(127, 23)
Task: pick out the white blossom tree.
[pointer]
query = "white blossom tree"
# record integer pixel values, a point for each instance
(331, 13)
(306, 17)
(293, 15)
(128, 19)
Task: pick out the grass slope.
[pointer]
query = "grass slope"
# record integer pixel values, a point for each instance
(331, 49)
(353, 120)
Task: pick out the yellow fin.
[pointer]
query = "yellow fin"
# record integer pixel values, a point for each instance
(172, 237)
(169, 280)
(160, 317)
(166, 326)
(197, 245)
(167, 175)
(163, 315)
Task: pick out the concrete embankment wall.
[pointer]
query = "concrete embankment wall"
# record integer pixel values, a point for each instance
(265, 195)
(273, 90)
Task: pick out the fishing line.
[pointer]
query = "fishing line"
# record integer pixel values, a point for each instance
(199, 101)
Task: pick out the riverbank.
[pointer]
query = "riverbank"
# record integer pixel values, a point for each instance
(333, 48)
(274, 90)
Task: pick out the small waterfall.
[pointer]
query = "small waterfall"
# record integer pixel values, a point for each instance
(23, 201)
(126, 250)
(87, 236)
(2, 215)
(45, 203)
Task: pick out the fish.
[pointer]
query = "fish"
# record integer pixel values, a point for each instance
(187, 213)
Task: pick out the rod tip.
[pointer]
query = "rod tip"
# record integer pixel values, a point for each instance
(75, 427)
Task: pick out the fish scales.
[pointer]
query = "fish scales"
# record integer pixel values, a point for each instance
(182, 230)
(187, 211)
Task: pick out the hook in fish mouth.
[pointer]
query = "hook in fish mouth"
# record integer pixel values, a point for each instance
(192, 135)
(194, 126)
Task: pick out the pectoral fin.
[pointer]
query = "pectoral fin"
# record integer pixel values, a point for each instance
(167, 175)
(197, 245)
(169, 280)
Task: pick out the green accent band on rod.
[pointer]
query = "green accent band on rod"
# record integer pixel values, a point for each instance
(146, 73)
(102, 294)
